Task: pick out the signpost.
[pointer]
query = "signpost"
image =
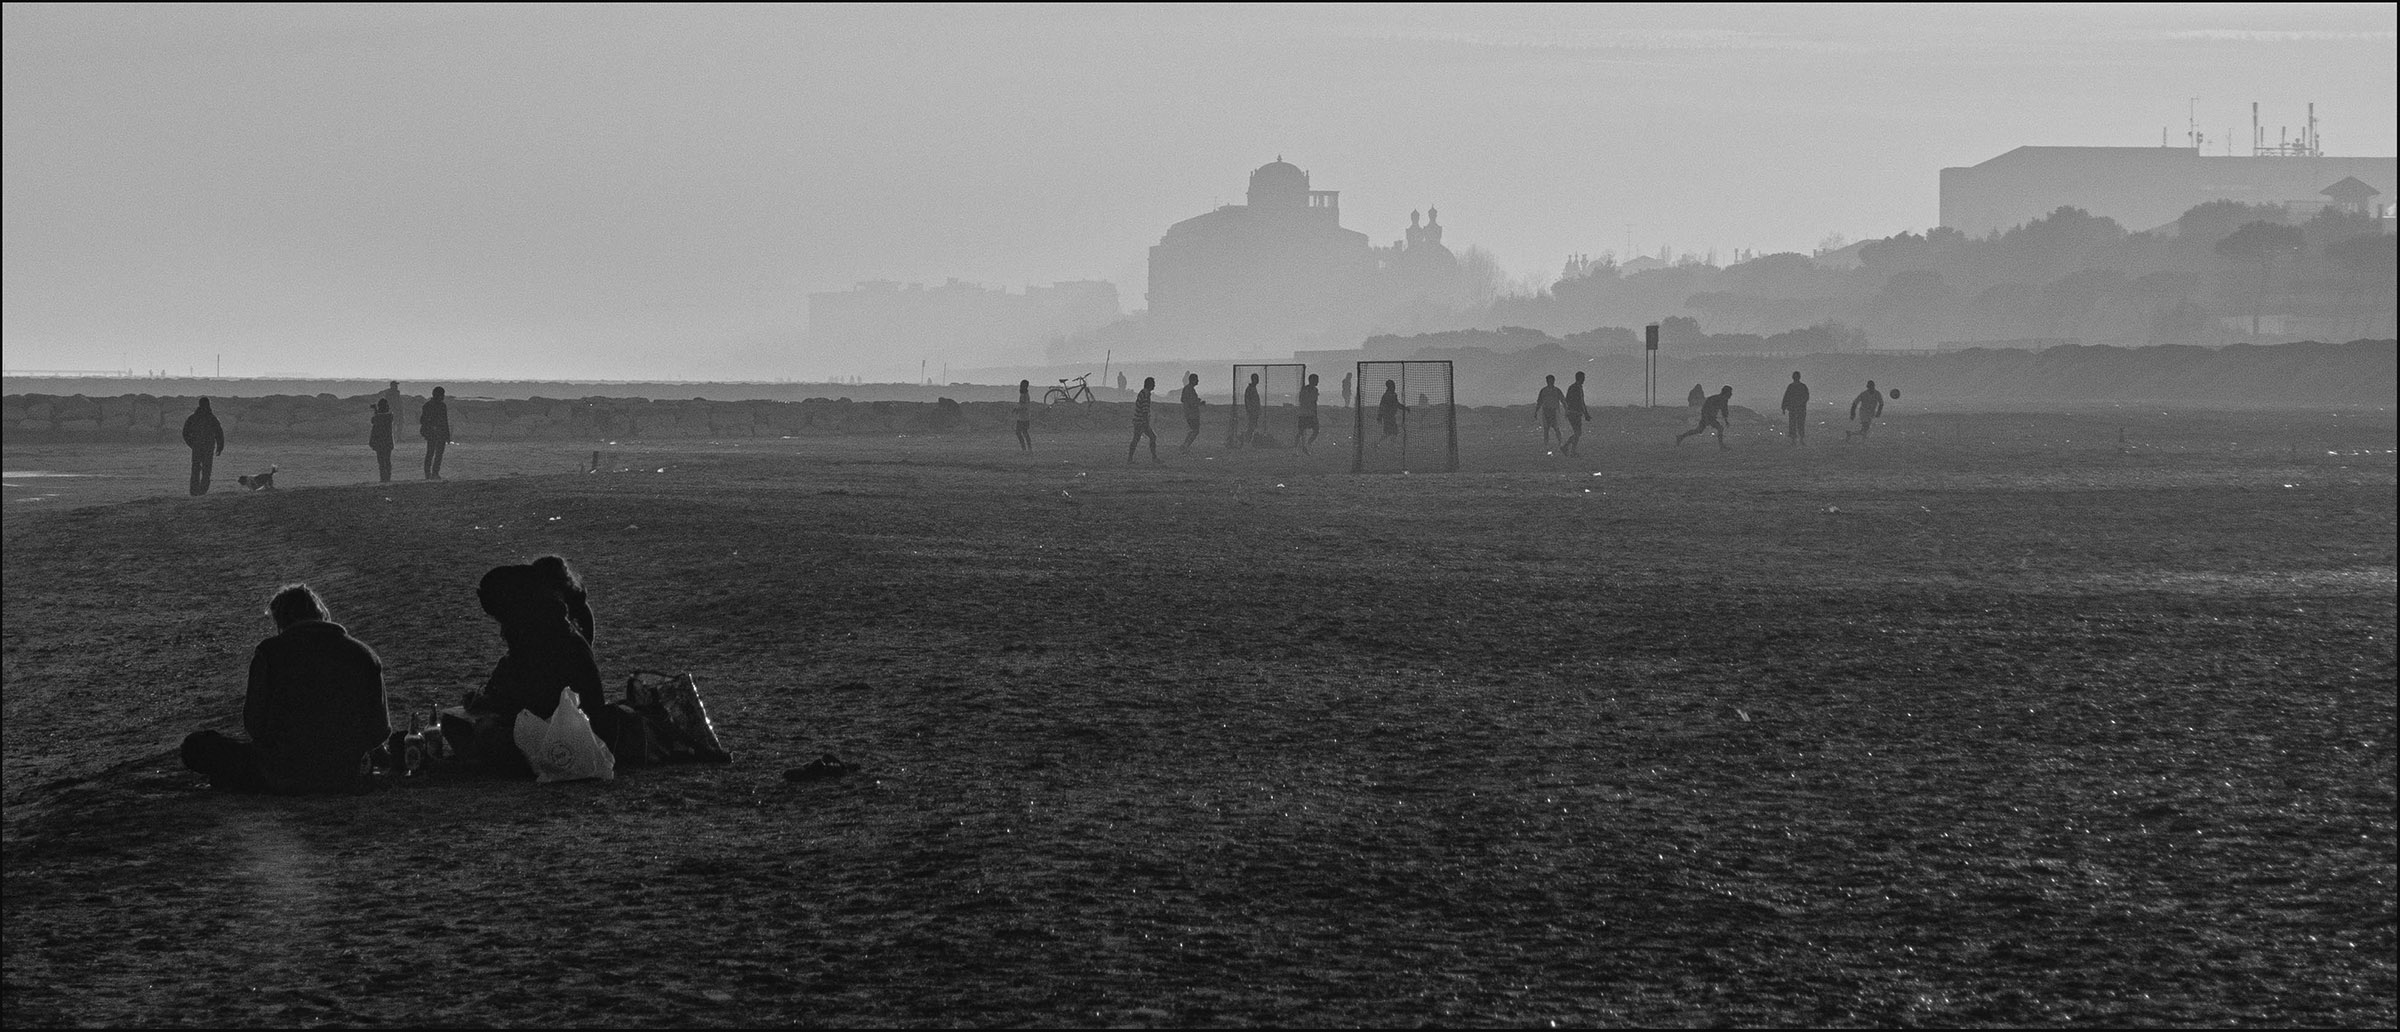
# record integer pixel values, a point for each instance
(1650, 365)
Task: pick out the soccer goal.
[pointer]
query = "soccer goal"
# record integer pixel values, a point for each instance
(1407, 418)
(1275, 420)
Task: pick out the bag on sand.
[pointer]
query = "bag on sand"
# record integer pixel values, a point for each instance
(563, 748)
(674, 719)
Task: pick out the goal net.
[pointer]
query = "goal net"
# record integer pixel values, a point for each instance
(1276, 419)
(1407, 418)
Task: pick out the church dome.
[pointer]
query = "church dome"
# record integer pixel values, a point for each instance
(1278, 184)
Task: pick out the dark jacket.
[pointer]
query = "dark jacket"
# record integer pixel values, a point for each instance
(379, 432)
(548, 647)
(315, 707)
(433, 423)
(202, 431)
(1795, 397)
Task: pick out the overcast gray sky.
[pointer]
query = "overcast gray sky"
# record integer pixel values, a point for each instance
(621, 191)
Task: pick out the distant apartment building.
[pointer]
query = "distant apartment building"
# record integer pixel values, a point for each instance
(2144, 188)
(958, 321)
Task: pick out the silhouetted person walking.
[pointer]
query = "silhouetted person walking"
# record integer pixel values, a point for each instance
(1141, 420)
(1864, 408)
(1120, 381)
(1250, 411)
(1024, 415)
(391, 397)
(1305, 433)
(1546, 404)
(206, 438)
(379, 438)
(1577, 413)
(1695, 399)
(1713, 411)
(433, 424)
(1795, 409)
(1346, 402)
(315, 708)
(1389, 412)
(1191, 407)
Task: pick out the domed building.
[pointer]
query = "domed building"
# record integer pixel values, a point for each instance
(1262, 275)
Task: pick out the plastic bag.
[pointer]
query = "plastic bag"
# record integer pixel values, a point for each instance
(563, 748)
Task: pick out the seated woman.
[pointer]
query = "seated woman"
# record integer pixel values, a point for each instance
(314, 710)
(547, 649)
(545, 616)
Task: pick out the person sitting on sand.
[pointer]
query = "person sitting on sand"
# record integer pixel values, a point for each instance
(315, 709)
(547, 649)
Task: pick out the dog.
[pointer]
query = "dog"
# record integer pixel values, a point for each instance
(261, 481)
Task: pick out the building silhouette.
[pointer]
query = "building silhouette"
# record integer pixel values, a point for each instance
(2144, 188)
(1249, 277)
(1281, 270)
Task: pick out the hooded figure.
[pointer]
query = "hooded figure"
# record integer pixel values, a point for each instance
(547, 649)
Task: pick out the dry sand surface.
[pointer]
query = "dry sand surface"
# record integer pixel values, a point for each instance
(1992, 720)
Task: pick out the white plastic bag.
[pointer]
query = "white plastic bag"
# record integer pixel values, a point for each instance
(563, 748)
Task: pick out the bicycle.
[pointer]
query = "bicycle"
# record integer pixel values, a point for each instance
(1070, 392)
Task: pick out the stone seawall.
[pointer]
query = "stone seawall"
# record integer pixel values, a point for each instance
(144, 419)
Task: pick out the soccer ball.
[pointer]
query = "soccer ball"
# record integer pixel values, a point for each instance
(1895, 394)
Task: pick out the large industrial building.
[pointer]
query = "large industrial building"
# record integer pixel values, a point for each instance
(2144, 188)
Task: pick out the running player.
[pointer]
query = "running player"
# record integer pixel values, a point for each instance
(1864, 408)
(1713, 411)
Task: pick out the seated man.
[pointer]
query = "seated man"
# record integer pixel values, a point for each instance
(314, 711)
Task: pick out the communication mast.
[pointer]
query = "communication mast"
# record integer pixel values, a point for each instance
(2309, 145)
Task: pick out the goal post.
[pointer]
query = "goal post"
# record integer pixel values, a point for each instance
(1277, 417)
(1407, 418)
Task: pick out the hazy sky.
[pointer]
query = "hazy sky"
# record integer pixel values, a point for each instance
(620, 192)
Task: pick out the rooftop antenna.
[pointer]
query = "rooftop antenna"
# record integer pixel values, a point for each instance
(2315, 146)
(2254, 137)
(2192, 123)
